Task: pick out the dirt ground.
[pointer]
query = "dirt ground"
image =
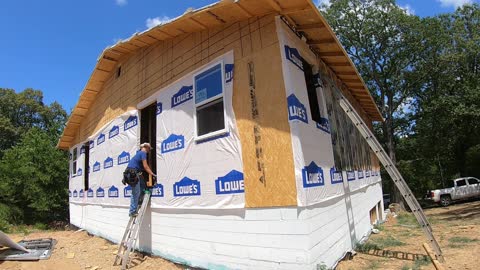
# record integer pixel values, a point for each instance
(399, 246)
(89, 253)
(456, 228)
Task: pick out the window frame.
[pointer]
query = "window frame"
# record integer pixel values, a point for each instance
(75, 154)
(209, 100)
(316, 90)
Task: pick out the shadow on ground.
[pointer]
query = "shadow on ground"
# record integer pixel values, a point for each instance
(401, 255)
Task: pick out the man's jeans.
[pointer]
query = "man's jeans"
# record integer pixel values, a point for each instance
(137, 196)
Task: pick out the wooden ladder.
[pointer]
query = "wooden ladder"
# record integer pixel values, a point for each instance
(130, 236)
(394, 174)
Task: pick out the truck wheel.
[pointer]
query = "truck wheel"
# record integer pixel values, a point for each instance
(445, 200)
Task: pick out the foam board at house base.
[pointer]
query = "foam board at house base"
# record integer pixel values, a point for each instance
(260, 238)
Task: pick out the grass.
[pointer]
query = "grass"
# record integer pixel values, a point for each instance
(379, 227)
(27, 229)
(388, 241)
(366, 247)
(417, 264)
(379, 243)
(407, 219)
(460, 241)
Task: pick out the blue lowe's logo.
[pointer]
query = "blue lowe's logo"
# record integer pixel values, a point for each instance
(100, 193)
(108, 163)
(81, 193)
(113, 132)
(312, 176)
(123, 158)
(173, 143)
(157, 190)
(101, 139)
(296, 110)
(350, 175)
(127, 191)
(131, 122)
(75, 193)
(186, 187)
(89, 193)
(96, 166)
(360, 174)
(159, 108)
(79, 172)
(113, 192)
(324, 125)
(91, 144)
(230, 183)
(336, 176)
(183, 95)
(228, 73)
(294, 56)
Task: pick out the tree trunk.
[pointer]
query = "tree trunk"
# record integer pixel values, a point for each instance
(396, 196)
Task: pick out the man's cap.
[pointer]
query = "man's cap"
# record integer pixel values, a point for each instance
(146, 144)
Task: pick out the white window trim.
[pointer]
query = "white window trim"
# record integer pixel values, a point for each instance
(219, 96)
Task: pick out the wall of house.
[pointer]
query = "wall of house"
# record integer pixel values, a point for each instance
(286, 236)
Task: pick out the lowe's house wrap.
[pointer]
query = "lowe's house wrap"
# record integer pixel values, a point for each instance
(195, 165)
(258, 166)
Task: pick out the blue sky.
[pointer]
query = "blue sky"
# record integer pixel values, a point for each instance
(53, 45)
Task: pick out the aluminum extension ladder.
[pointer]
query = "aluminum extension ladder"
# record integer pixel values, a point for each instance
(394, 174)
(130, 236)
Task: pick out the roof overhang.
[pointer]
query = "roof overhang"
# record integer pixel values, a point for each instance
(303, 15)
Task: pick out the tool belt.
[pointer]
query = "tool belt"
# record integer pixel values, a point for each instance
(132, 176)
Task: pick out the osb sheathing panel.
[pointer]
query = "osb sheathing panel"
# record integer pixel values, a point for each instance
(274, 184)
(160, 64)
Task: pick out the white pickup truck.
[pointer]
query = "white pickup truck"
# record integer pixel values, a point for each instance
(463, 188)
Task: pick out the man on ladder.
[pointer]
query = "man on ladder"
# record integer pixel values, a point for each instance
(134, 176)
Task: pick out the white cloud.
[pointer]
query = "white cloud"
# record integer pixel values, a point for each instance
(408, 9)
(454, 3)
(151, 22)
(323, 2)
(121, 2)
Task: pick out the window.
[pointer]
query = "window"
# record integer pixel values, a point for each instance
(461, 183)
(74, 165)
(312, 92)
(472, 181)
(209, 105)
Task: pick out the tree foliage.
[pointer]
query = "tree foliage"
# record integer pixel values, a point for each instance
(424, 75)
(33, 173)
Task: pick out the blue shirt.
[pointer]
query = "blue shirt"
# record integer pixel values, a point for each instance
(136, 161)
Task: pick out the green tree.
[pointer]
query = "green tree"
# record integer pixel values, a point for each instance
(34, 178)
(381, 39)
(33, 172)
(448, 107)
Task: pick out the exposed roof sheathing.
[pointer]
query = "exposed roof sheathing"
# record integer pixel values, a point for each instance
(303, 15)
